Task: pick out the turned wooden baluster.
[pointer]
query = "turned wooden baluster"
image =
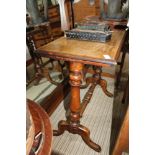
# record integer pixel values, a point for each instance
(96, 79)
(101, 82)
(72, 124)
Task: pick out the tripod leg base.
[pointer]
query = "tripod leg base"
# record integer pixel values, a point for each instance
(103, 85)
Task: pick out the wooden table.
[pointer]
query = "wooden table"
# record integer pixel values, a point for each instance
(78, 53)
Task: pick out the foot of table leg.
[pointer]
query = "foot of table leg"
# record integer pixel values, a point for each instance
(103, 85)
(77, 129)
(85, 134)
(62, 126)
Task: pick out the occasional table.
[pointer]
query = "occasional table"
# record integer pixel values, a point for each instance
(78, 53)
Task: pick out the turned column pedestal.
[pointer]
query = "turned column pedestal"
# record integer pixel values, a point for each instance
(72, 124)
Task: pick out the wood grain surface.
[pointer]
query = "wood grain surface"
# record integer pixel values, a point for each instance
(85, 50)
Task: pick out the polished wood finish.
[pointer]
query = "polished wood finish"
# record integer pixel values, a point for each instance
(122, 143)
(78, 53)
(85, 51)
(97, 80)
(73, 121)
(42, 142)
(87, 98)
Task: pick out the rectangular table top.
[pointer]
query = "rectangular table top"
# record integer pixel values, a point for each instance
(86, 51)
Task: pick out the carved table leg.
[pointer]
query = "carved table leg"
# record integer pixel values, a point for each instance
(97, 80)
(103, 84)
(62, 126)
(72, 124)
(85, 134)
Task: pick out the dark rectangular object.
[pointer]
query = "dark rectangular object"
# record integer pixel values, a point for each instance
(89, 35)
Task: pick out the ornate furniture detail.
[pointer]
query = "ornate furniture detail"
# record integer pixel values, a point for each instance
(77, 54)
(38, 36)
(73, 122)
(94, 80)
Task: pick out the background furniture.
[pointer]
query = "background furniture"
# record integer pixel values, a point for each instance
(40, 35)
(39, 130)
(122, 142)
(125, 50)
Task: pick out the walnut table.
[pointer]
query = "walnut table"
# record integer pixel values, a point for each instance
(78, 53)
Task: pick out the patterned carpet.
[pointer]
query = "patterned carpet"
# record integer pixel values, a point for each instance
(100, 116)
